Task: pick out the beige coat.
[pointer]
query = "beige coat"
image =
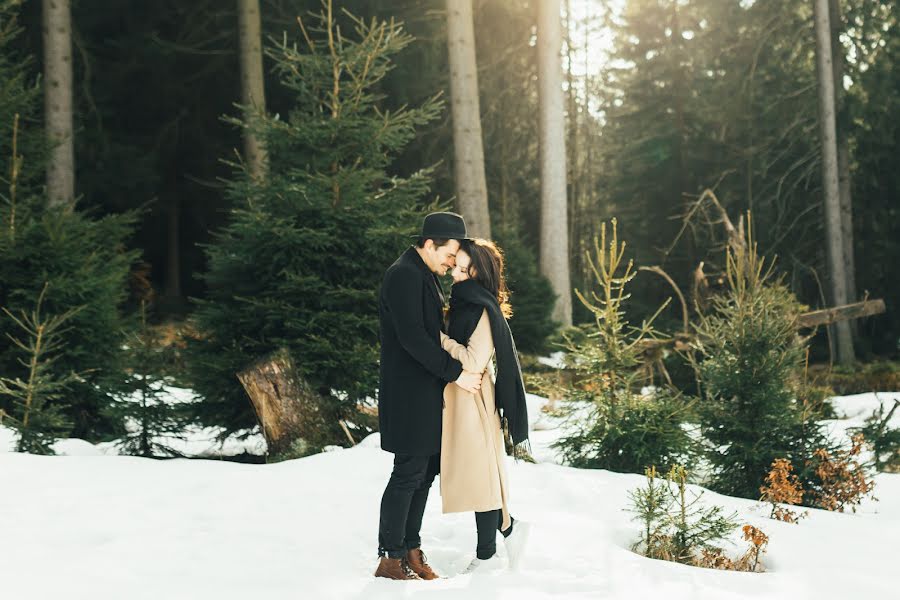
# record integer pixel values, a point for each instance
(473, 467)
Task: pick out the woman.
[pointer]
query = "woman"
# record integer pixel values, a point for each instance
(473, 472)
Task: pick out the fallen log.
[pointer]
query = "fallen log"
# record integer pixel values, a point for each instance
(825, 316)
(857, 310)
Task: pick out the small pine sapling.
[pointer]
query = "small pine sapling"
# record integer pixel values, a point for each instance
(883, 439)
(149, 419)
(750, 372)
(675, 528)
(34, 415)
(694, 526)
(650, 505)
(612, 425)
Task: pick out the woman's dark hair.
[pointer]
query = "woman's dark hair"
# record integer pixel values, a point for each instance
(487, 268)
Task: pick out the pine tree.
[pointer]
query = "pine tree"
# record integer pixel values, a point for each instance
(612, 425)
(82, 258)
(651, 506)
(300, 263)
(883, 439)
(654, 130)
(554, 248)
(751, 365)
(150, 422)
(694, 526)
(35, 413)
(676, 526)
(531, 322)
(20, 97)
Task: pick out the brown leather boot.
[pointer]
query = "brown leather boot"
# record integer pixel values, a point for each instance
(419, 564)
(395, 568)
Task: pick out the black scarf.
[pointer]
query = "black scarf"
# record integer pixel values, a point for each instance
(468, 299)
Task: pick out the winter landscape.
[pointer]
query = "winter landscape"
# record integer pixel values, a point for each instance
(93, 525)
(624, 269)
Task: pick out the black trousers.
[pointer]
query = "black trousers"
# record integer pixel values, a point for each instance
(403, 503)
(488, 524)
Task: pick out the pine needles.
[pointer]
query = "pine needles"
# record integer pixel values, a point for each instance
(35, 417)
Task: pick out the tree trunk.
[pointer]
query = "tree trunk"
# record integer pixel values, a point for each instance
(286, 406)
(554, 255)
(252, 88)
(572, 110)
(842, 123)
(830, 187)
(471, 187)
(57, 24)
(173, 251)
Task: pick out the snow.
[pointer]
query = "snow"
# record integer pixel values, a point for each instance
(556, 360)
(92, 525)
(196, 441)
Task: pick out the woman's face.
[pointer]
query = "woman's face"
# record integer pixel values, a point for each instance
(461, 270)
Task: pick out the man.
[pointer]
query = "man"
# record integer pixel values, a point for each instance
(414, 371)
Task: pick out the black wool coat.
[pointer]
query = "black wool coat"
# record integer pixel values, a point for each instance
(414, 367)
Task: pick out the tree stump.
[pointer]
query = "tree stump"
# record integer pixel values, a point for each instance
(286, 405)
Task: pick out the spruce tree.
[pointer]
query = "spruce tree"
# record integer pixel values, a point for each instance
(82, 258)
(35, 412)
(612, 424)
(530, 294)
(150, 422)
(694, 527)
(750, 370)
(300, 263)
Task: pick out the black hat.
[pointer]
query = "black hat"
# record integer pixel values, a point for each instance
(443, 225)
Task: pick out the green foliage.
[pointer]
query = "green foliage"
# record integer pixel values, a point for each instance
(651, 506)
(531, 295)
(873, 103)
(883, 439)
(694, 526)
(750, 373)
(612, 424)
(20, 98)
(300, 263)
(676, 526)
(85, 263)
(148, 419)
(81, 259)
(35, 412)
(875, 376)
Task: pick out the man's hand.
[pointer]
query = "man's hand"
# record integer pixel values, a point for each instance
(471, 382)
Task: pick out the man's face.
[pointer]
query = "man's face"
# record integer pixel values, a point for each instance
(440, 260)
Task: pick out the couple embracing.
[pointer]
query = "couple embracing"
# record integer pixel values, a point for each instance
(442, 404)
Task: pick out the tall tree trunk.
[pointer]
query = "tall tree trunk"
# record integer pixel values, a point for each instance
(252, 89)
(554, 256)
(572, 110)
(842, 123)
(57, 23)
(471, 187)
(172, 288)
(830, 187)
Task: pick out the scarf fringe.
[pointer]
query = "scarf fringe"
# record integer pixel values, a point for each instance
(516, 450)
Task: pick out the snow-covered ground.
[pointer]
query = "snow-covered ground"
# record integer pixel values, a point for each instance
(93, 526)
